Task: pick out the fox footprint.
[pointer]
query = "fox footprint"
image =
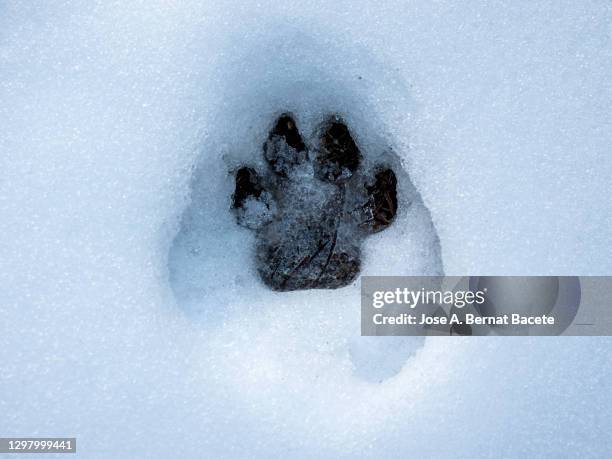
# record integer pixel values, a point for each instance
(313, 206)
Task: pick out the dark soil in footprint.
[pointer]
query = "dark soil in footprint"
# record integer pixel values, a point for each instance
(313, 206)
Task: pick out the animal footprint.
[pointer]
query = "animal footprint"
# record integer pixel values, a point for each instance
(313, 206)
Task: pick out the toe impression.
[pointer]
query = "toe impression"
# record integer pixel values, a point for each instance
(381, 206)
(284, 148)
(338, 156)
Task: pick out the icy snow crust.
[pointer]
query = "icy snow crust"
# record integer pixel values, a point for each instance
(122, 325)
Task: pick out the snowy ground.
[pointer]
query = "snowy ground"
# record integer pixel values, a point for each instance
(119, 127)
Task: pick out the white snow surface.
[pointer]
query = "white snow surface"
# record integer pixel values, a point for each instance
(120, 125)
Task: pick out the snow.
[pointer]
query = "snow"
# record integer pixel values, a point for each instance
(131, 313)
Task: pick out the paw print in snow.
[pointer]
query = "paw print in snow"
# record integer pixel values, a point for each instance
(313, 206)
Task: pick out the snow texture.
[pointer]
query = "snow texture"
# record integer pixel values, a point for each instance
(131, 313)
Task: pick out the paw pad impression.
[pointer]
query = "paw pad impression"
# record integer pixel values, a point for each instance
(313, 206)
